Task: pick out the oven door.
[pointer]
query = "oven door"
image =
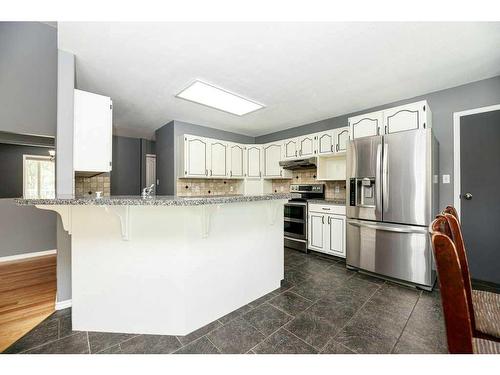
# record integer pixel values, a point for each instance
(295, 225)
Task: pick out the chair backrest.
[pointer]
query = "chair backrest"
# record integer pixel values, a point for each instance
(440, 225)
(452, 211)
(453, 298)
(458, 241)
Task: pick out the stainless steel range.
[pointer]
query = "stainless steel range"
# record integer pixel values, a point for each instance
(295, 224)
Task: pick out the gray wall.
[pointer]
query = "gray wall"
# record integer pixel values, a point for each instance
(28, 76)
(147, 147)
(11, 168)
(28, 89)
(442, 103)
(126, 173)
(166, 149)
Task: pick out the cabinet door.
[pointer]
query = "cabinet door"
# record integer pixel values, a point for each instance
(365, 125)
(326, 141)
(92, 132)
(290, 148)
(272, 158)
(316, 232)
(307, 145)
(195, 157)
(336, 235)
(218, 159)
(237, 161)
(253, 161)
(405, 117)
(341, 139)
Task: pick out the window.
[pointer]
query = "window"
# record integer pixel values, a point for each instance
(38, 176)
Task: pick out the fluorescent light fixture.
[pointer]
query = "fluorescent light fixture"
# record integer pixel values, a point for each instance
(214, 97)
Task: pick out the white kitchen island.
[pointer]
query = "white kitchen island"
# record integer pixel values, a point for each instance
(168, 265)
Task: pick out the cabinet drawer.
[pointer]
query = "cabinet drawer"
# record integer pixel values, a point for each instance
(327, 208)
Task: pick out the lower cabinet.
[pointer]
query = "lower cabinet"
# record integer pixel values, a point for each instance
(326, 233)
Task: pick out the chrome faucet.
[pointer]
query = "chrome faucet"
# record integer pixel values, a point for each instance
(146, 192)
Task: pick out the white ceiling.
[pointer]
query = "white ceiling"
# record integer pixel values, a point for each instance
(302, 72)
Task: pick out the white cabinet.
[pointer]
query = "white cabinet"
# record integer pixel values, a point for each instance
(366, 125)
(254, 161)
(236, 160)
(392, 120)
(218, 159)
(272, 157)
(407, 117)
(332, 141)
(326, 229)
(92, 132)
(196, 152)
(307, 146)
(290, 148)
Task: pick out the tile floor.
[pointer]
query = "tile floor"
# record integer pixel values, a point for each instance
(321, 308)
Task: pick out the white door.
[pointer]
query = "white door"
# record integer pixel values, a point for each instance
(237, 161)
(316, 235)
(93, 132)
(272, 158)
(326, 142)
(218, 159)
(341, 139)
(290, 147)
(195, 156)
(406, 117)
(365, 125)
(306, 146)
(151, 171)
(253, 161)
(336, 235)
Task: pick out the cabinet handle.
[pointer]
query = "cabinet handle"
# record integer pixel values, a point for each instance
(206, 172)
(329, 220)
(260, 174)
(295, 152)
(230, 173)
(323, 219)
(281, 173)
(326, 209)
(210, 172)
(337, 147)
(331, 148)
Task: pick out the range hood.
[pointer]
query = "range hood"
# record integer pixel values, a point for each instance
(298, 163)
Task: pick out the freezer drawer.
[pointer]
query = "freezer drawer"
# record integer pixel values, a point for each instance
(398, 251)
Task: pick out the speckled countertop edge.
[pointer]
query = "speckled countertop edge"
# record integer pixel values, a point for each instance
(333, 202)
(161, 200)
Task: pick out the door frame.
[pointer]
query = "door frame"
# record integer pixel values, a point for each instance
(456, 148)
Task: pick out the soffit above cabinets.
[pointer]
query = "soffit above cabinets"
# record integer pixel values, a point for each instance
(303, 72)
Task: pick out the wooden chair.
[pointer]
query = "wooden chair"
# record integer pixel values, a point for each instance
(456, 307)
(485, 306)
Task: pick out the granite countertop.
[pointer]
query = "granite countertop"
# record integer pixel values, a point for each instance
(158, 200)
(336, 202)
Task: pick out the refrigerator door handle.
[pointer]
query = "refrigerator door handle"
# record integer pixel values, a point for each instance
(387, 228)
(385, 178)
(378, 190)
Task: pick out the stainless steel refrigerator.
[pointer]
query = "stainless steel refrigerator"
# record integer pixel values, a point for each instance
(392, 190)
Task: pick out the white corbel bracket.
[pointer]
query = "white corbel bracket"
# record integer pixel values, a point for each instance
(123, 213)
(63, 211)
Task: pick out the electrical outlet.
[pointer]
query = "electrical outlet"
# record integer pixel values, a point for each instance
(446, 179)
(230, 188)
(281, 189)
(337, 189)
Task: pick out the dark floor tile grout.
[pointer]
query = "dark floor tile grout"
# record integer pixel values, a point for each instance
(406, 323)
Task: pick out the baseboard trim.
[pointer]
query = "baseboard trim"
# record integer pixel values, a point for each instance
(27, 255)
(63, 304)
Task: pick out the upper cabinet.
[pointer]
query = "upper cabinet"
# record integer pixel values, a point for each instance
(236, 160)
(92, 132)
(272, 158)
(196, 154)
(332, 141)
(407, 117)
(365, 125)
(254, 158)
(392, 120)
(307, 145)
(218, 159)
(291, 148)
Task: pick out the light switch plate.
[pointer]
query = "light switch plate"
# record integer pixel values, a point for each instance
(435, 179)
(446, 179)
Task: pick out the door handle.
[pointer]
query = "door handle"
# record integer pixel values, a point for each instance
(468, 196)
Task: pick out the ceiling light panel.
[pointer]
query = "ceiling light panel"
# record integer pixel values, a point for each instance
(214, 97)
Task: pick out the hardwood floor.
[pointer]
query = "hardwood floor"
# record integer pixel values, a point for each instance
(27, 296)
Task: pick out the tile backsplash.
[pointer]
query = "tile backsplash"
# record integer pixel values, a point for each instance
(333, 189)
(187, 187)
(86, 186)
